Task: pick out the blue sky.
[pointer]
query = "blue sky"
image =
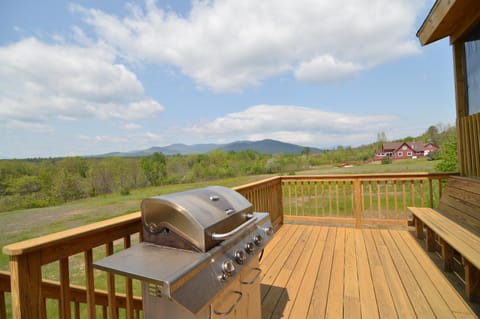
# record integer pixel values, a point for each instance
(91, 77)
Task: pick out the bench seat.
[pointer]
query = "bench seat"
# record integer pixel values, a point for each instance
(455, 235)
(456, 223)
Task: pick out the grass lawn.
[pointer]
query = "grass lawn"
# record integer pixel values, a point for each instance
(398, 166)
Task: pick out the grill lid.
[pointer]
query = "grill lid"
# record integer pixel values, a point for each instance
(187, 220)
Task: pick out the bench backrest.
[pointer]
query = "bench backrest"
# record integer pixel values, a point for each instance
(460, 202)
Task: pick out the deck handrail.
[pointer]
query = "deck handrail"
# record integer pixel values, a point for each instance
(279, 196)
(28, 257)
(360, 199)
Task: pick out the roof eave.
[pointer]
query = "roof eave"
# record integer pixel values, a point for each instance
(451, 18)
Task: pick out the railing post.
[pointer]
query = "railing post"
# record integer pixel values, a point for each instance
(26, 281)
(357, 190)
(279, 198)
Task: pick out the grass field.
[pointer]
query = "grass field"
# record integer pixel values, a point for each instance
(398, 166)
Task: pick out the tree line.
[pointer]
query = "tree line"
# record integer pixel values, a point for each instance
(47, 182)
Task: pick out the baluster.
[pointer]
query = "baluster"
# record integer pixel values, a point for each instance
(379, 199)
(128, 285)
(296, 197)
(362, 197)
(323, 199)
(77, 310)
(430, 189)
(330, 209)
(337, 196)
(112, 302)
(370, 190)
(412, 191)
(387, 195)
(64, 289)
(302, 195)
(395, 198)
(422, 193)
(3, 308)
(90, 284)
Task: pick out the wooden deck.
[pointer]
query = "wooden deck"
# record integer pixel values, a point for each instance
(317, 272)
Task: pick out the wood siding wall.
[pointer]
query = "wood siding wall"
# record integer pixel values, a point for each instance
(469, 145)
(468, 126)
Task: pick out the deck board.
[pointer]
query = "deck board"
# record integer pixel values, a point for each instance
(328, 272)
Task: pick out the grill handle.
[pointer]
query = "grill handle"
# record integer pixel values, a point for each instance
(235, 303)
(234, 231)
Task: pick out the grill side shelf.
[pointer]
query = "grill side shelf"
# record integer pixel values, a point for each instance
(160, 265)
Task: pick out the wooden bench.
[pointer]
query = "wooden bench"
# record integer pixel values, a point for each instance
(456, 222)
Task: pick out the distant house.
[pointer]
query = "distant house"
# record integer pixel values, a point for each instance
(404, 150)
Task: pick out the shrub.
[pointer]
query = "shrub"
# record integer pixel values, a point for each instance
(386, 160)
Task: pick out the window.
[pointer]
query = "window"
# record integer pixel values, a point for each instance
(400, 154)
(409, 154)
(472, 70)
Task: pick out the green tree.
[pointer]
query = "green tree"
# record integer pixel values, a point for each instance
(432, 135)
(25, 185)
(68, 186)
(154, 168)
(448, 155)
(306, 151)
(101, 177)
(75, 165)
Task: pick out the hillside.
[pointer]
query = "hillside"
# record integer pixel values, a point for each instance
(267, 146)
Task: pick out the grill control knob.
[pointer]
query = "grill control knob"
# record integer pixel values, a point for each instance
(249, 247)
(268, 230)
(228, 267)
(257, 240)
(240, 256)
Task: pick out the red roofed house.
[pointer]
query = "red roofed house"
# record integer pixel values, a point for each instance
(404, 150)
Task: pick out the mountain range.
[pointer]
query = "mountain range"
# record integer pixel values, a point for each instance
(267, 146)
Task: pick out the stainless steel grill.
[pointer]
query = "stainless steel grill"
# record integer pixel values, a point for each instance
(200, 251)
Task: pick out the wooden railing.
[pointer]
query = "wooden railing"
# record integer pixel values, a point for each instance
(30, 292)
(349, 199)
(266, 196)
(380, 199)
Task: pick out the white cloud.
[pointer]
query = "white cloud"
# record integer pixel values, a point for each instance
(40, 82)
(233, 45)
(131, 126)
(325, 69)
(24, 125)
(296, 124)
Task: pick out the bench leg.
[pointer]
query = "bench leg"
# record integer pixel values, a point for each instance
(472, 279)
(430, 239)
(419, 228)
(447, 255)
